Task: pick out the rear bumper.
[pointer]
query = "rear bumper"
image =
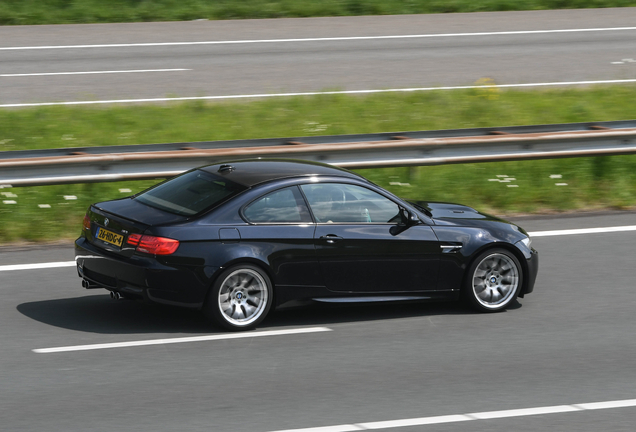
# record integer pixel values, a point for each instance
(141, 276)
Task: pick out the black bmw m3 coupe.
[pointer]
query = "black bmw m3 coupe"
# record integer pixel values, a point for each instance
(239, 238)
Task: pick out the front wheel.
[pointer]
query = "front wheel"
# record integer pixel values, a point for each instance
(240, 298)
(493, 280)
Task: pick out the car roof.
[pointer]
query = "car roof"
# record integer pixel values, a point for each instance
(250, 172)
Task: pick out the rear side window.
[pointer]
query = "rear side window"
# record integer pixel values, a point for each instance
(282, 206)
(190, 193)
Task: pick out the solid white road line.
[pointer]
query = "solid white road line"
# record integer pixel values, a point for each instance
(181, 340)
(268, 95)
(532, 234)
(469, 417)
(92, 72)
(37, 266)
(323, 39)
(582, 231)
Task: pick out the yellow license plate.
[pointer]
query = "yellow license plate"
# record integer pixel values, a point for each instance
(109, 237)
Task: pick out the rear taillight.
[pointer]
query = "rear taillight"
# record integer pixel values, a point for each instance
(87, 222)
(133, 239)
(153, 245)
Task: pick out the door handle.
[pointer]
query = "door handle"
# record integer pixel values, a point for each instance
(331, 238)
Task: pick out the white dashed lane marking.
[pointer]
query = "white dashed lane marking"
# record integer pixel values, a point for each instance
(321, 39)
(226, 336)
(350, 92)
(91, 72)
(558, 409)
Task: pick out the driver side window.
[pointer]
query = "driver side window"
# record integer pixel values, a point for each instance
(344, 203)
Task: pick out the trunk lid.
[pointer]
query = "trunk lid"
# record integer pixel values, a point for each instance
(112, 222)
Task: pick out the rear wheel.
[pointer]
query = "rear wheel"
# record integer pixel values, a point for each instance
(241, 297)
(493, 280)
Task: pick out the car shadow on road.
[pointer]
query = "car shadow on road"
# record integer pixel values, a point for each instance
(101, 314)
(335, 313)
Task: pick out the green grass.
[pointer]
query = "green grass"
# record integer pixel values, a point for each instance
(55, 127)
(529, 186)
(13, 12)
(47, 213)
(53, 213)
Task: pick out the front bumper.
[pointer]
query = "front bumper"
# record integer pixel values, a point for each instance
(533, 269)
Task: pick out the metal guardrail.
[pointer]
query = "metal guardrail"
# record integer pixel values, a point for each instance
(116, 163)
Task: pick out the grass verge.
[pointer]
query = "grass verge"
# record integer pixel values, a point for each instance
(13, 12)
(55, 212)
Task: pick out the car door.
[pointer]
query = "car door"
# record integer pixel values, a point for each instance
(355, 248)
(281, 233)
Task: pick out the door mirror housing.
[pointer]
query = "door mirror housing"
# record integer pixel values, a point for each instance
(407, 220)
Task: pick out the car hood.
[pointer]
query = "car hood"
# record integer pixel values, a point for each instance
(461, 215)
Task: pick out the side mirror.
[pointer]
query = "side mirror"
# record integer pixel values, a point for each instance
(407, 220)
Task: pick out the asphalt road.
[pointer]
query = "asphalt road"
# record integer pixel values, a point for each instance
(570, 342)
(246, 65)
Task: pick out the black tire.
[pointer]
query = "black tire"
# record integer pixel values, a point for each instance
(240, 298)
(493, 280)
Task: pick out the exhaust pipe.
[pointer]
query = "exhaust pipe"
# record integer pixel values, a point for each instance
(116, 296)
(88, 285)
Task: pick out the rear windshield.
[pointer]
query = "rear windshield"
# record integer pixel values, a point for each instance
(190, 193)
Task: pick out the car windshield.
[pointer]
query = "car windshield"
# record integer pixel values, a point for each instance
(190, 193)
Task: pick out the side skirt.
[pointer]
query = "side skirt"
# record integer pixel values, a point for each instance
(369, 299)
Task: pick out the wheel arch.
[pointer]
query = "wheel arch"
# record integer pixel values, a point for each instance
(508, 247)
(236, 262)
